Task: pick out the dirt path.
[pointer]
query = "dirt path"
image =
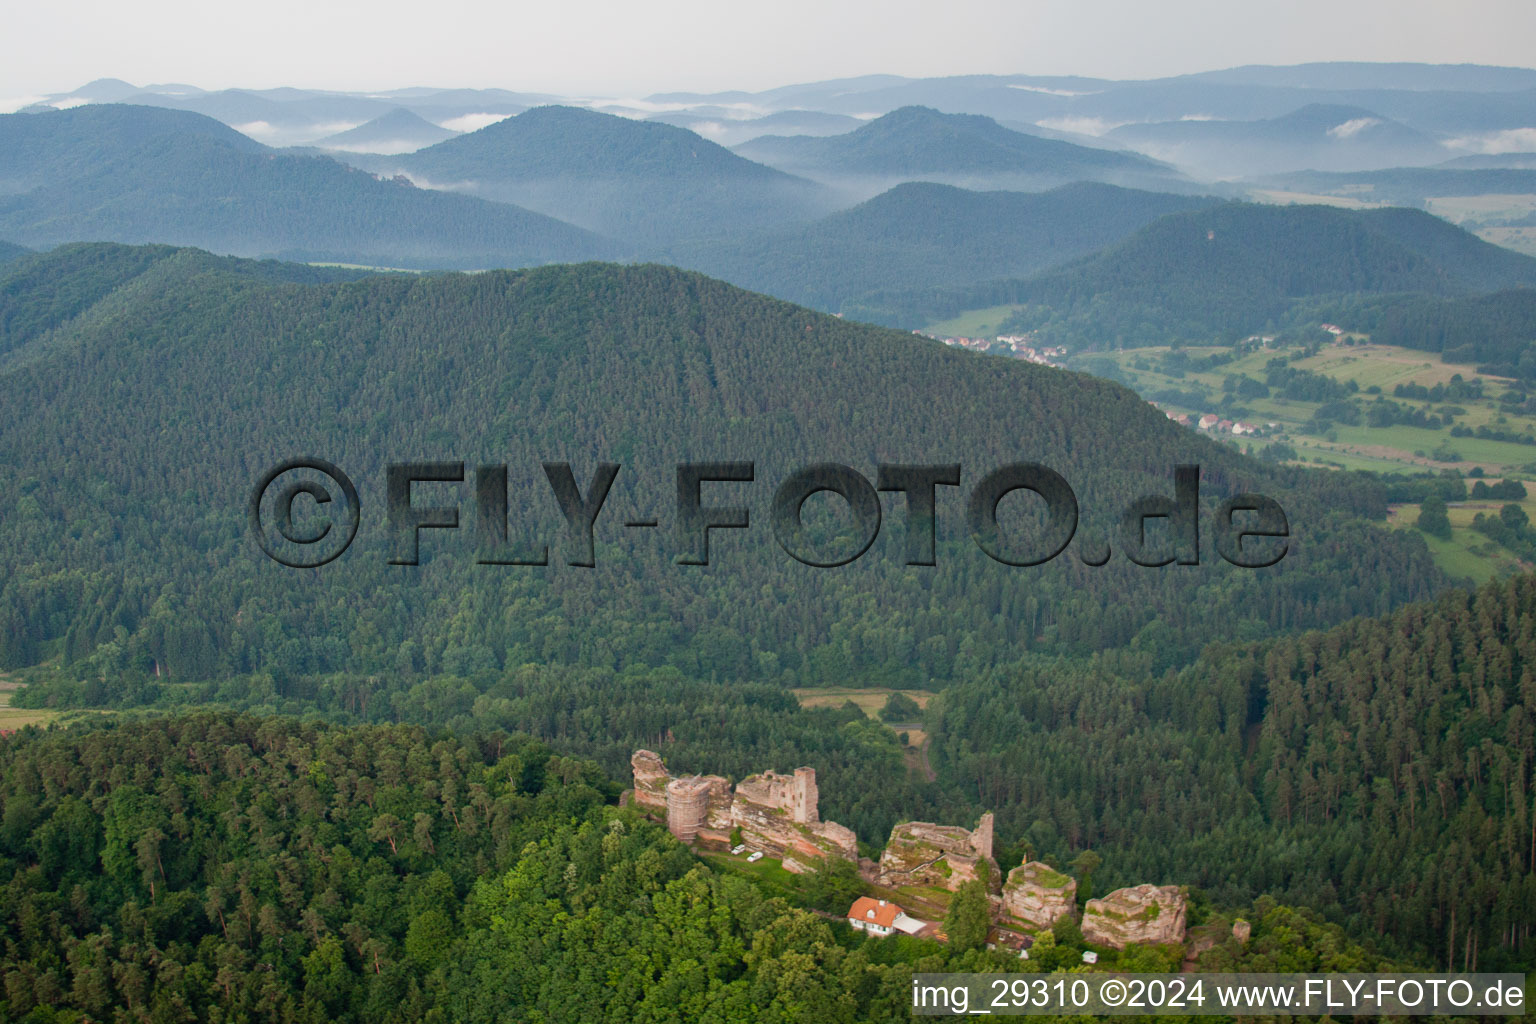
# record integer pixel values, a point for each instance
(917, 758)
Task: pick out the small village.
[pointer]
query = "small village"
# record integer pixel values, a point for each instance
(1212, 423)
(1017, 346)
(1020, 346)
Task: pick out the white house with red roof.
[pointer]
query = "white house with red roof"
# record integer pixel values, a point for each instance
(881, 917)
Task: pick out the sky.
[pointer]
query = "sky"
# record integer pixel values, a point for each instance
(629, 48)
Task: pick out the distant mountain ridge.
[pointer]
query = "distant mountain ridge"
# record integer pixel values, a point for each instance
(642, 181)
(1439, 100)
(142, 174)
(1317, 136)
(919, 143)
(399, 131)
(924, 234)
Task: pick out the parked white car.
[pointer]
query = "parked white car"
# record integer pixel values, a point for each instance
(755, 857)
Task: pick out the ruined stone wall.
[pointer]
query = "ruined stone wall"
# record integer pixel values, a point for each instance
(777, 814)
(981, 838)
(795, 794)
(939, 856)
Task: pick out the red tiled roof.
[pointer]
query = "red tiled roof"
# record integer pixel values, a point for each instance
(869, 910)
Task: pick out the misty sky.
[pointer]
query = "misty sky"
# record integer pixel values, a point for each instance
(586, 47)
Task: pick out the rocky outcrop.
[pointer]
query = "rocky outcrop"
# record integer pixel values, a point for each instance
(651, 780)
(1143, 914)
(923, 854)
(1037, 895)
(777, 814)
(1241, 930)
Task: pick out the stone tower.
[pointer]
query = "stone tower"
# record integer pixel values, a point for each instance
(687, 805)
(981, 839)
(805, 797)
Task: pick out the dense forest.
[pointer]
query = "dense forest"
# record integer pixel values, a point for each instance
(1377, 772)
(391, 788)
(1224, 272)
(1497, 331)
(217, 867)
(151, 388)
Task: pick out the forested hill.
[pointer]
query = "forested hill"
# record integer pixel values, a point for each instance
(151, 390)
(1235, 268)
(10, 251)
(641, 181)
(141, 174)
(42, 149)
(222, 867)
(919, 143)
(920, 234)
(1496, 331)
(1380, 771)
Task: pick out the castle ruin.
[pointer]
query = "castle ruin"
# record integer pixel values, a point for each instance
(939, 856)
(777, 814)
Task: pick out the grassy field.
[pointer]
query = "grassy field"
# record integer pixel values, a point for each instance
(16, 718)
(973, 323)
(769, 872)
(870, 699)
(1399, 448)
(1281, 197)
(1520, 239)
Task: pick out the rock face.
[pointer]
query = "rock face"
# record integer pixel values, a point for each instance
(1144, 914)
(777, 814)
(1241, 930)
(651, 780)
(938, 856)
(1038, 895)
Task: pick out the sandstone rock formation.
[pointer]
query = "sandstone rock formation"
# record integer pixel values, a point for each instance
(938, 856)
(651, 780)
(777, 814)
(1241, 930)
(1142, 914)
(1038, 895)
